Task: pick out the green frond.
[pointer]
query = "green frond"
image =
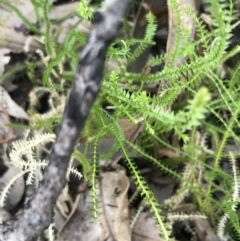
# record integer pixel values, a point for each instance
(151, 26)
(149, 198)
(235, 76)
(94, 180)
(156, 60)
(22, 147)
(231, 205)
(123, 50)
(84, 11)
(147, 41)
(203, 34)
(84, 163)
(178, 34)
(47, 39)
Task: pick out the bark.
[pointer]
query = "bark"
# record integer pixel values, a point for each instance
(38, 212)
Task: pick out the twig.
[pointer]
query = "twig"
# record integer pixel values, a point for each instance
(38, 212)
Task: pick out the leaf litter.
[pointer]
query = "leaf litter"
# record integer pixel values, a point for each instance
(113, 186)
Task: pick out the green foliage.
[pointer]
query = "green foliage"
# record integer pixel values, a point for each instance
(196, 101)
(193, 114)
(84, 11)
(149, 198)
(145, 42)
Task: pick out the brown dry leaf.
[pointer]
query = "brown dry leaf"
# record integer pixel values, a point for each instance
(61, 212)
(63, 200)
(16, 41)
(139, 33)
(81, 226)
(107, 142)
(16, 191)
(187, 23)
(10, 106)
(161, 14)
(11, 34)
(145, 229)
(207, 19)
(168, 153)
(113, 223)
(125, 124)
(127, 127)
(204, 230)
(114, 188)
(183, 208)
(238, 5)
(63, 10)
(3, 59)
(11, 19)
(4, 215)
(6, 133)
(69, 23)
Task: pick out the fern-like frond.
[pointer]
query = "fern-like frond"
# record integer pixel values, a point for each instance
(21, 147)
(148, 39)
(232, 203)
(149, 198)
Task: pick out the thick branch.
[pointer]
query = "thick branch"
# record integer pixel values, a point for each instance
(38, 213)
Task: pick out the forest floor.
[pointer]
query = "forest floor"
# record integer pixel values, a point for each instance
(28, 109)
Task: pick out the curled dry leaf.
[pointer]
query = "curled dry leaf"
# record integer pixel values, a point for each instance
(113, 223)
(10, 106)
(63, 201)
(145, 229)
(62, 208)
(15, 192)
